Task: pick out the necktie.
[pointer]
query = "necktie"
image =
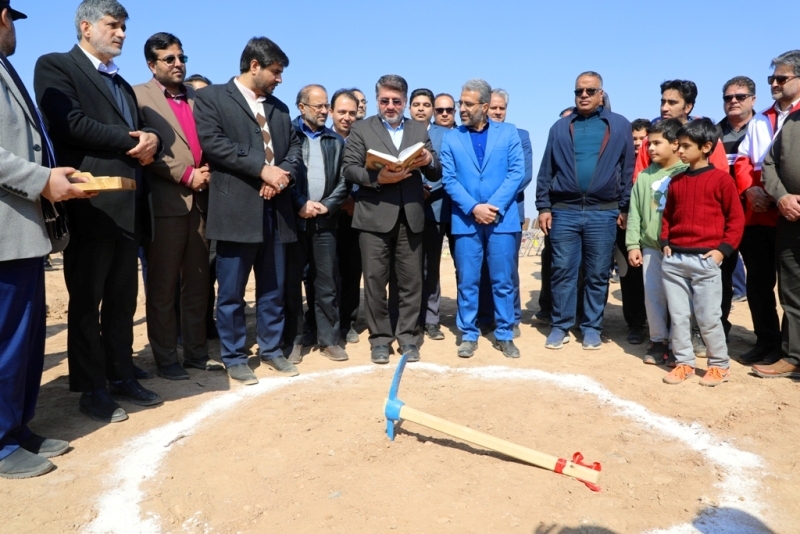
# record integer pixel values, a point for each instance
(269, 155)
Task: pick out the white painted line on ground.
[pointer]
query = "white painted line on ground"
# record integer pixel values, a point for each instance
(119, 508)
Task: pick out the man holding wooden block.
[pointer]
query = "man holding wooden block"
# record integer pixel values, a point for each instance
(95, 124)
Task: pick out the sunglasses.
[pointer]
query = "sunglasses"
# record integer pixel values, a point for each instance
(740, 97)
(442, 111)
(591, 91)
(780, 79)
(385, 102)
(170, 60)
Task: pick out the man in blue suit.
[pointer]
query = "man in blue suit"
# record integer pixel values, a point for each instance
(483, 166)
(498, 106)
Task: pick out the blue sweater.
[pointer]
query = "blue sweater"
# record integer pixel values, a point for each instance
(557, 184)
(589, 133)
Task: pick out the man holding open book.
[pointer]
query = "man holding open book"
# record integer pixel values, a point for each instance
(381, 157)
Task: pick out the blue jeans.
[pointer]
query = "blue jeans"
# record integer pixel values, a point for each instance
(581, 238)
(234, 263)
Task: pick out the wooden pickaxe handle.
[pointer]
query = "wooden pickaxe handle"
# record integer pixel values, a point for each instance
(502, 446)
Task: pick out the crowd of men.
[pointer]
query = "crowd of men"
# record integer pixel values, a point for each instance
(229, 185)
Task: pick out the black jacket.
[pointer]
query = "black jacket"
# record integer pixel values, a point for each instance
(336, 189)
(232, 143)
(90, 134)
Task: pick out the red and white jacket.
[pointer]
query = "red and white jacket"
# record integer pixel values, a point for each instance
(754, 147)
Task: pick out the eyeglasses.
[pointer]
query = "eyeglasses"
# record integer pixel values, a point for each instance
(317, 107)
(466, 104)
(591, 91)
(780, 79)
(442, 111)
(740, 97)
(385, 101)
(170, 60)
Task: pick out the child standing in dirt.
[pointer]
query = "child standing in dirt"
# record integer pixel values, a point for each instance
(703, 222)
(648, 198)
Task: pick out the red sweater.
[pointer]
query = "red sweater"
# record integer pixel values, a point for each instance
(703, 213)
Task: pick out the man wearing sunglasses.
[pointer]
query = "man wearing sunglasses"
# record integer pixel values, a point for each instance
(582, 195)
(389, 212)
(761, 212)
(96, 125)
(444, 111)
(178, 183)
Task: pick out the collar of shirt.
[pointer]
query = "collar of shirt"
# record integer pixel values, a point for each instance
(111, 69)
(308, 131)
(595, 113)
(247, 93)
(179, 96)
(788, 108)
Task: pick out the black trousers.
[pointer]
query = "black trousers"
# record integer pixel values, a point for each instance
(315, 254)
(349, 252)
(100, 342)
(377, 251)
(787, 240)
(632, 288)
(759, 253)
(212, 281)
(726, 271)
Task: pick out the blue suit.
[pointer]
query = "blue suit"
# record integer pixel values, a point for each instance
(495, 182)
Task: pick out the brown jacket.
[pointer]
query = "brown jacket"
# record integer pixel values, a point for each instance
(170, 197)
(781, 168)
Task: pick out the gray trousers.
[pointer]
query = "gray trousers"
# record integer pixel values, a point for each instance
(655, 299)
(691, 280)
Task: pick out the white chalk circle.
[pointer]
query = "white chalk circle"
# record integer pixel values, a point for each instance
(118, 509)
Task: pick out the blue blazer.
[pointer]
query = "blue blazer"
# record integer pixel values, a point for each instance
(496, 182)
(527, 150)
(437, 206)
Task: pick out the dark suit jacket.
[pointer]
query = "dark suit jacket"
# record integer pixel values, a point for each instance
(335, 187)
(234, 147)
(437, 206)
(378, 206)
(169, 197)
(527, 151)
(90, 134)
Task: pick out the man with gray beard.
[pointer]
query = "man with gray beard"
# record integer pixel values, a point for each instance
(96, 126)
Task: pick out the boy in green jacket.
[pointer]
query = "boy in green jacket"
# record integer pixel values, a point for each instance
(648, 198)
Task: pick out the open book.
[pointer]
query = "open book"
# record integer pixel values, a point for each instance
(103, 183)
(377, 160)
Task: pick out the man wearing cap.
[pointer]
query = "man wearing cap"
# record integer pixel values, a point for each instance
(26, 183)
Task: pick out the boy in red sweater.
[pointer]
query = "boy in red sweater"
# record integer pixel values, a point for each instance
(703, 222)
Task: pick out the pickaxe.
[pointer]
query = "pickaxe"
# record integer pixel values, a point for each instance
(396, 411)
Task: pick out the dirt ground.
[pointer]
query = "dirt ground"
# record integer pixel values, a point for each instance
(310, 454)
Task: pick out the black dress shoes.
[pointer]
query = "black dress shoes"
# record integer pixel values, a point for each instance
(467, 349)
(99, 405)
(508, 348)
(141, 374)
(380, 354)
(759, 354)
(130, 390)
(411, 351)
(173, 371)
(45, 447)
(434, 332)
(241, 372)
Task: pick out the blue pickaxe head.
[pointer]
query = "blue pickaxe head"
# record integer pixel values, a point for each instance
(393, 404)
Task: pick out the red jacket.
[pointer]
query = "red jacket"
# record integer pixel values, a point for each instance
(703, 213)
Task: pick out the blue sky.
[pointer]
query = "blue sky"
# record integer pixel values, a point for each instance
(533, 50)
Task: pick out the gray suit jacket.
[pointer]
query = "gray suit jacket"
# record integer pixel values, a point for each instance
(22, 178)
(378, 206)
